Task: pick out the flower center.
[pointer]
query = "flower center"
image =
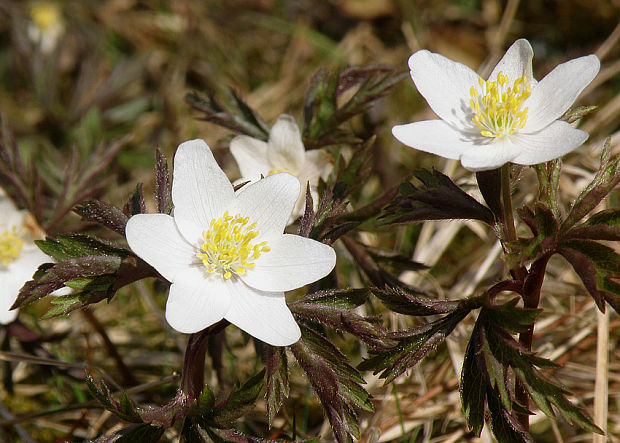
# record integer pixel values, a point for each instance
(228, 247)
(497, 106)
(45, 14)
(10, 246)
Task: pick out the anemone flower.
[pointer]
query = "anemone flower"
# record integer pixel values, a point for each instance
(508, 118)
(283, 152)
(19, 256)
(225, 252)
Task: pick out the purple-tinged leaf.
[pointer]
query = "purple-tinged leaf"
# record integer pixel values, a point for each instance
(238, 403)
(140, 433)
(103, 213)
(123, 409)
(343, 319)
(473, 390)
(437, 198)
(605, 180)
(162, 185)
(277, 380)
(490, 185)
(56, 276)
(136, 204)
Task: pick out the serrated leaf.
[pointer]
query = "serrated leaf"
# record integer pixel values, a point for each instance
(327, 378)
(136, 204)
(437, 198)
(277, 380)
(163, 189)
(343, 319)
(238, 403)
(403, 302)
(103, 213)
(65, 247)
(123, 409)
(348, 298)
(605, 180)
(413, 346)
(472, 390)
(57, 275)
(141, 433)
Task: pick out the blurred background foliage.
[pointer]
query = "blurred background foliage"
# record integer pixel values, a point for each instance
(78, 75)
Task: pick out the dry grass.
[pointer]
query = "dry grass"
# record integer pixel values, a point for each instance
(124, 66)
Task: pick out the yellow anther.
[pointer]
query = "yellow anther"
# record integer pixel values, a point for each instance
(277, 171)
(227, 246)
(497, 106)
(11, 246)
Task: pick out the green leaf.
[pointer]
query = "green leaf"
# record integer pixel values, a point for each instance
(605, 180)
(598, 267)
(437, 198)
(56, 276)
(277, 380)
(412, 346)
(239, 402)
(124, 409)
(103, 213)
(65, 247)
(473, 391)
(348, 298)
(141, 433)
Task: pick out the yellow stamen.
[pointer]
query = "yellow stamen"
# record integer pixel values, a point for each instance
(497, 106)
(45, 14)
(11, 246)
(228, 247)
(277, 171)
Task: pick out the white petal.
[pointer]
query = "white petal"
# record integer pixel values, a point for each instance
(286, 150)
(293, 262)
(196, 302)
(156, 240)
(263, 315)
(490, 156)
(516, 62)
(11, 216)
(200, 189)
(436, 137)
(269, 202)
(317, 164)
(445, 85)
(552, 142)
(251, 157)
(15, 275)
(555, 93)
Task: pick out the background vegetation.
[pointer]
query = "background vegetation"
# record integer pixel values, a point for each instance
(116, 81)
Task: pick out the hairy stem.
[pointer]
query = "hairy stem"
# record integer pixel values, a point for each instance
(193, 374)
(531, 298)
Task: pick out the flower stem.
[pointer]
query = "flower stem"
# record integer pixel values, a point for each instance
(531, 298)
(192, 376)
(509, 222)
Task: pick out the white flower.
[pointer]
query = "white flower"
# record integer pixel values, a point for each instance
(284, 152)
(508, 118)
(19, 256)
(47, 25)
(225, 253)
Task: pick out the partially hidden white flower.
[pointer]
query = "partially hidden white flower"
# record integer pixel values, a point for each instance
(19, 256)
(284, 152)
(508, 118)
(225, 252)
(47, 25)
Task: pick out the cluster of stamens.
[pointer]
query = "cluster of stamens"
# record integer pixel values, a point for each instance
(11, 246)
(228, 247)
(497, 106)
